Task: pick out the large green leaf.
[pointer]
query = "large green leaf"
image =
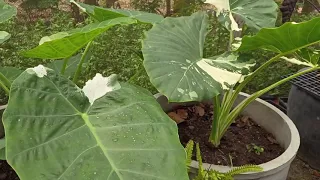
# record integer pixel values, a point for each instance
(65, 44)
(4, 36)
(11, 73)
(289, 38)
(256, 14)
(102, 14)
(6, 11)
(173, 59)
(54, 132)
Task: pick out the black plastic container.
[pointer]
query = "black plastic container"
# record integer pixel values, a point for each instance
(304, 111)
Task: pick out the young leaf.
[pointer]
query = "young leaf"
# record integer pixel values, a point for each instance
(6, 11)
(285, 39)
(102, 14)
(11, 73)
(173, 59)
(65, 44)
(256, 14)
(4, 36)
(53, 132)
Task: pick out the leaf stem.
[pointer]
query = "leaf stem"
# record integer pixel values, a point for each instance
(76, 75)
(5, 84)
(231, 38)
(239, 88)
(240, 107)
(4, 80)
(214, 136)
(65, 63)
(6, 90)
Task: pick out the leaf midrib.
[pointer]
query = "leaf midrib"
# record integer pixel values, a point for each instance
(85, 117)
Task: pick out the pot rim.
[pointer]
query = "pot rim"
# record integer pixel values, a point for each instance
(270, 166)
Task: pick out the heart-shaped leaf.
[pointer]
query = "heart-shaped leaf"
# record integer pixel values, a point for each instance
(53, 132)
(256, 14)
(6, 11)
(102, 14)
(65, 44)
(289, 38)
(173, 59)
(4, 36)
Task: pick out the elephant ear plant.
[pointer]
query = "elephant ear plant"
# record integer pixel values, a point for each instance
(105, 131)
(173, 59)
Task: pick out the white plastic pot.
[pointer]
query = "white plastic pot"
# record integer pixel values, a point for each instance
(271, 119)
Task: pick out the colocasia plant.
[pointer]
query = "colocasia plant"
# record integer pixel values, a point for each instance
(174, 61)
(107, 130)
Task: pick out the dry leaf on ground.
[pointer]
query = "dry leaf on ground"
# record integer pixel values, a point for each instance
(199, 110)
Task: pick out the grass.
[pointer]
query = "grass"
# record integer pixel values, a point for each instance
(115, 51)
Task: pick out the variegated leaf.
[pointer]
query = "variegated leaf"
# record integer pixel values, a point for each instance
(173, 58)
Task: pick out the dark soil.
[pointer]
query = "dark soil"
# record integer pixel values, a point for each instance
(6, 172)
(236, 146)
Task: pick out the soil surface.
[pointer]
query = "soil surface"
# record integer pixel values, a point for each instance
(242, 144)
(6, 172)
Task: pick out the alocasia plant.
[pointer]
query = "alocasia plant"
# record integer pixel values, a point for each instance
(173, 58)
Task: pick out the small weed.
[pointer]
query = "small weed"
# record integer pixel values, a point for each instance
(254, 148)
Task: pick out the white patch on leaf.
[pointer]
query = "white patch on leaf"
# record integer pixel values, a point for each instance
(223, 7)
(99, 86)
(296, 61)
(59, 35)
(220, 75)
(193, 95)
(39, 70)
(180, 90)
